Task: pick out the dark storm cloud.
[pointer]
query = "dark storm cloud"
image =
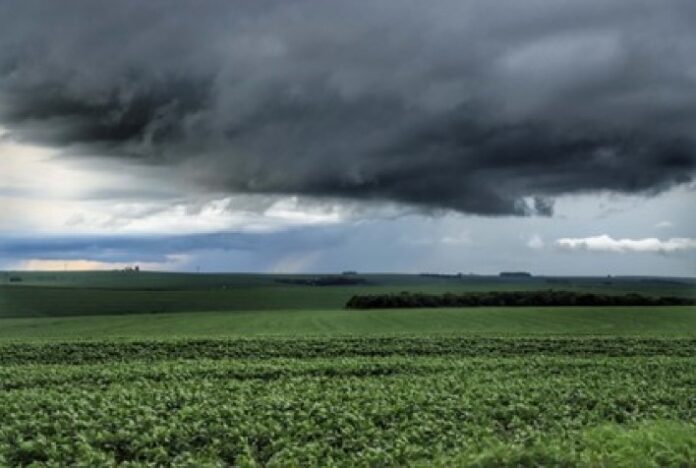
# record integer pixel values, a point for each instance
(158, 248)
(490, 108)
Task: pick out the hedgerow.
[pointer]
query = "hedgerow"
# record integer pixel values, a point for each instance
(549, 298)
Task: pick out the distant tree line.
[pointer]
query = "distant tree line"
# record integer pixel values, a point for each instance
(324, 281)
(509, 299)
(440, 275)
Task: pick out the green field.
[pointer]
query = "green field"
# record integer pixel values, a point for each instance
(218, 370)
(574, 321)
(108, 293)
(351, 401)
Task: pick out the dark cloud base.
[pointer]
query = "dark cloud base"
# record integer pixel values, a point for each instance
(159, 248)
(450, 105)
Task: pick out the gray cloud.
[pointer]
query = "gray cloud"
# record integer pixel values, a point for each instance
(481, 108)
(157, 248)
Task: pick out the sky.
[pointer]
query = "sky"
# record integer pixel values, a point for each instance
(555, 137)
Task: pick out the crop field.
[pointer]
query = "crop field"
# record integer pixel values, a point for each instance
(351, 401)
(313, 384)
(489, 321)
(109, 293)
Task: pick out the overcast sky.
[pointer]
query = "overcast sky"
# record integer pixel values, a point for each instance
(290, 136)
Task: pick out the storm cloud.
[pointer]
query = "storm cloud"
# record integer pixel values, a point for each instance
(490, 108)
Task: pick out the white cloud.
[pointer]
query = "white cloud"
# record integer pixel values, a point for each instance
(37, 264)
(213, 215)
(605, 243)
(664, 225)
(40, 192)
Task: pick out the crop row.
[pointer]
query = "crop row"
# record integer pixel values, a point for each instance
(101, 375)
(350, 411)
(82, 352)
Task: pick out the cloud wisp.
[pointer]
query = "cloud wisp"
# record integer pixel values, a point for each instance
(445, 105)
(605, 243)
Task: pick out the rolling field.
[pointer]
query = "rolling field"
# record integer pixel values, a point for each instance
(239, 380)
(496, 321)
(16, 302)
(109, 293)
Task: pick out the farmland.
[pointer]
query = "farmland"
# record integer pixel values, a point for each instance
(495, 321)
(312, 383)
(108, 293)
(379, 401)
